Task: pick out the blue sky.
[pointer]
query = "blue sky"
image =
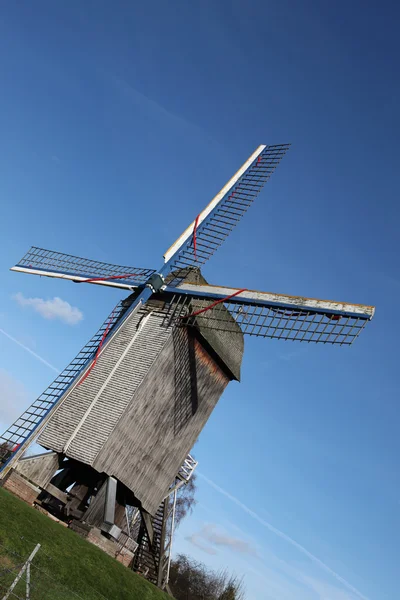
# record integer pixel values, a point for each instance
(119, 122)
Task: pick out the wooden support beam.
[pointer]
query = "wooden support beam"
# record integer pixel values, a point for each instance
(161, 571)
(109, 506)
(56, 493)
(148, 524)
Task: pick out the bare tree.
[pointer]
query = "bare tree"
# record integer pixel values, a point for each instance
(190, 579)
(185, 500)
(5, 451)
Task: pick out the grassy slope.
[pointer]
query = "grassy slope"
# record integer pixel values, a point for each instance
(65, 557)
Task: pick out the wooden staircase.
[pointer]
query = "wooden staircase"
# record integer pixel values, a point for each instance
(148, 555)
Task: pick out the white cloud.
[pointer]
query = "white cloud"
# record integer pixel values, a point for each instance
(14, 398)
(218, 538)
(52, 309)
(211, 536)
(196, 540)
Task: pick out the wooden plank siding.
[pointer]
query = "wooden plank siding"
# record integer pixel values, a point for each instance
(40, 468)
(148, 446)
(90, 411)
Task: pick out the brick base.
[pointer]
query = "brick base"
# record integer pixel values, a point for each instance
(125, 557)
(21, 487)
(102, 542)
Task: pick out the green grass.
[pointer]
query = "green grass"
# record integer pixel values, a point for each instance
(67, 566)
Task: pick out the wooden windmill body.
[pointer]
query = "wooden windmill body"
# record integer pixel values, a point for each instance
(141, 409)
(121, 419)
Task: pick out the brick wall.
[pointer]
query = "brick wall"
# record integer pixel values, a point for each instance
(125, 557)
(24, 489)
(102, 542)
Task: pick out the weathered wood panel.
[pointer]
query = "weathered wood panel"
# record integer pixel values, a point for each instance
(54, 491)
(80, 426)
(95, 513)
(40, 468)
(146, 449)
(77, 400)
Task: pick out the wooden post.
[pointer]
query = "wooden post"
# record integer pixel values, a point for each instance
(28, 581)
(109, 506)
(22, 571)
(148, 525)
(161, 567)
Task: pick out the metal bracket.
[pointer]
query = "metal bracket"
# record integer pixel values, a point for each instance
(184, 474)
(156, 283)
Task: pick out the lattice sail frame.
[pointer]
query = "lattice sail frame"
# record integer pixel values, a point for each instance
(225, 211)
(40, 261)
(267, 319)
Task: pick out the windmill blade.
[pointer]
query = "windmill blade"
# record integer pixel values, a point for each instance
(268, 315)
(48, 263)
(213, 225)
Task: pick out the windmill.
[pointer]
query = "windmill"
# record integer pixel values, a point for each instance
(121, 419)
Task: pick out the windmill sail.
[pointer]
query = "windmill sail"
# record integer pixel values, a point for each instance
(213, 225)
(39, 261)
(268, 315)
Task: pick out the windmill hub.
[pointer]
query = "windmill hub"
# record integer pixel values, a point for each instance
(156, 283)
